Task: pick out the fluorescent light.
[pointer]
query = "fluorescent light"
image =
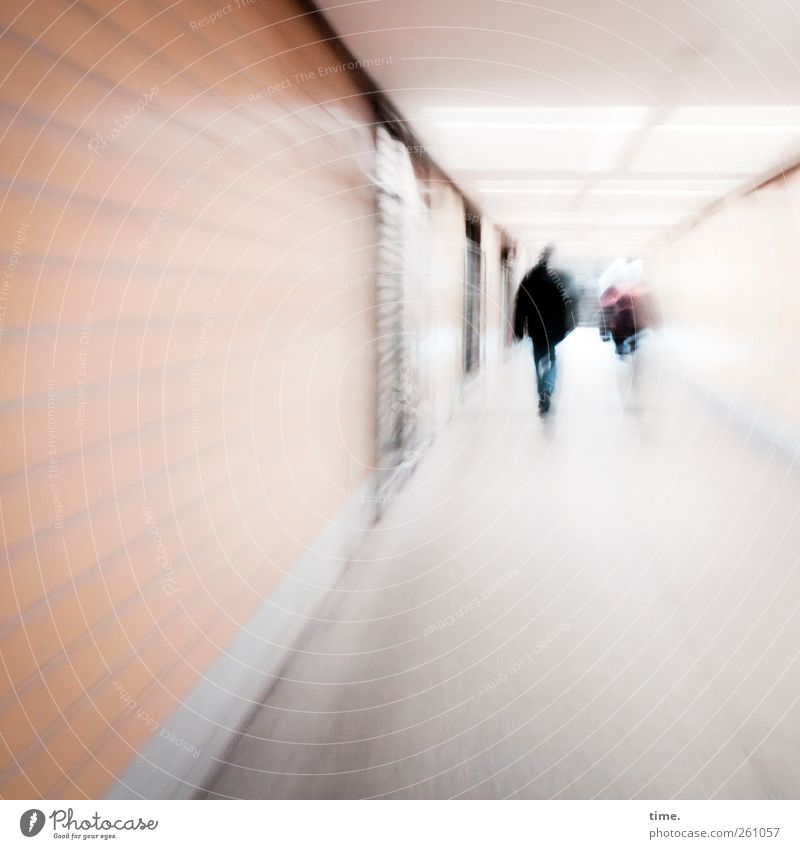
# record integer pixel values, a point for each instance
(529, 191)
(534, 125)
(730, 128)
(668, 192)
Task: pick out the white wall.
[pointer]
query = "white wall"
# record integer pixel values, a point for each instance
(730, 296)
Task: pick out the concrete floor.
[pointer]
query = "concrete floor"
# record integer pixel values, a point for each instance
(605, 605)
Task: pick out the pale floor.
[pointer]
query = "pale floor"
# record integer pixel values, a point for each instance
(602, 606)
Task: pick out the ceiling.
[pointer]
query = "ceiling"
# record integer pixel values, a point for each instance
(597, 124)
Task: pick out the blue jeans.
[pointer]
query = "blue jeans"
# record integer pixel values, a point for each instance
(632, 343)
(545, 362)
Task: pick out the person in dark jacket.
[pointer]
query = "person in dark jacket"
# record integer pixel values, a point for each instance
(543, 312)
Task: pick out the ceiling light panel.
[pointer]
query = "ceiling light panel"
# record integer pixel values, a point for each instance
(580, 140)
(726, 140)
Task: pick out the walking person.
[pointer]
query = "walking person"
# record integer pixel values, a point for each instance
(627, 317)
(543, 311)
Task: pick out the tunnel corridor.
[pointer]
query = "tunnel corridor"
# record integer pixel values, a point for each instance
(623, 623)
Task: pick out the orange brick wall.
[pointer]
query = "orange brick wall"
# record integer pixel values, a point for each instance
(187, 380)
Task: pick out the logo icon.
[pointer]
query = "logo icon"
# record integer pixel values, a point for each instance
(31, 822)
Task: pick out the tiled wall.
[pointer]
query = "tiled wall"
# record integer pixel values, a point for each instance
(188, 380)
